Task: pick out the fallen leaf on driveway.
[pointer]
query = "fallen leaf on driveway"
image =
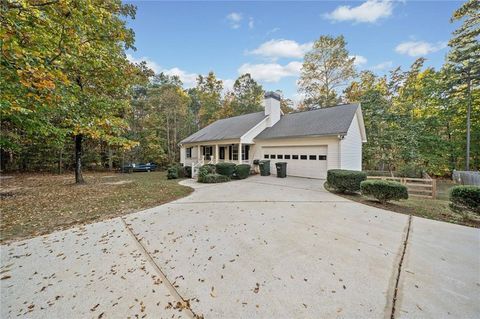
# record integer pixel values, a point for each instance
(212, 292)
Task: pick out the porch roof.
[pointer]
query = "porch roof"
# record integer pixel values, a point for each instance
(226, 129)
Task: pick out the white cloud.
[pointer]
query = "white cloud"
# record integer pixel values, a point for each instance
(251, 23)
(383, 66)
(297, 98)
(359, 59)
(282, 49)
(369, 11)
(418, 48)
(234, 19)
(188, 79)
(150, 63)
(272, 31)
(228, 85)
(271, 72)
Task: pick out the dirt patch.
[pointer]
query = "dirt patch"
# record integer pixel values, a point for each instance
(118, 183)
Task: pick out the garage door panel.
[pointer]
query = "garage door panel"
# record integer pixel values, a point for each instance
(302, 161)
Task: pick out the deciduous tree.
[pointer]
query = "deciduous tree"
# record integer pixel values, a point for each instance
(68, 58)
(464, 57)
(248, 95)
(326, 68)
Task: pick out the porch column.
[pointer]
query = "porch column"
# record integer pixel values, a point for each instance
(199, 154)
(239, 153)
(216, 153)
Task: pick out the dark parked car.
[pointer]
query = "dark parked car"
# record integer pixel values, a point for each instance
(139, 167)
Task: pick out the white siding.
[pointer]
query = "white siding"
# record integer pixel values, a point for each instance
(272, 109)
(351, 147)
(182, 155)
(248, 137)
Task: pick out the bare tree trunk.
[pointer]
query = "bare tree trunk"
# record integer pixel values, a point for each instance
(174, 146)
(168, 140)
(469, 111)
(123, 161)
(452, 150)
(110, 158)
(78, 159)
(60, 161)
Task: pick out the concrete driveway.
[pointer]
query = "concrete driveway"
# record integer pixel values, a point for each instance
(263, 247)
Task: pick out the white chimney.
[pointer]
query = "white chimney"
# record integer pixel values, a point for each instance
(272, 107)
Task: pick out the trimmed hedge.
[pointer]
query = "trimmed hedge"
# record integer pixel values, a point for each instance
(242, 171)
(215, 178)
(344, 180)
(175, 171)
(384, 191)
(226, 169)
(211, 166)
(172, 172)
(204, 171)
(465, 198)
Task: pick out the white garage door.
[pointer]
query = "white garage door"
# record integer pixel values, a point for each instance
(303, 161)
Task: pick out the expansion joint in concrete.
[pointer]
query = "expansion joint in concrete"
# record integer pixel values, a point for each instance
(399, 268)
(184, 303)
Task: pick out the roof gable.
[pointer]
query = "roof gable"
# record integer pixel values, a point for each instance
(326, 121)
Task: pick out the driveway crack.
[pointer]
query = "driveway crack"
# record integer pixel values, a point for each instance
(185, 303)
(399, 268)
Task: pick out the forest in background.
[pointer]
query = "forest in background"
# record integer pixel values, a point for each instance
(71, 99)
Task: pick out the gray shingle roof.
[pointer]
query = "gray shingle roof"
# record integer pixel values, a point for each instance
(327, 121)
(230, 128)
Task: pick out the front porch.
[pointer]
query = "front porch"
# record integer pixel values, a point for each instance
(201, 154)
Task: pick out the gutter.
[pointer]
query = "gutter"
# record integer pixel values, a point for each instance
(303, 136)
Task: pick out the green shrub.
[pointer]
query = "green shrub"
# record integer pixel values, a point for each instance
(465, 198)
(204, 171)
(242, 171)
(226, 169)
(344, 180)
(212, 167)
(215, 178)
(384, 191)
(172, 172)
(175, 171)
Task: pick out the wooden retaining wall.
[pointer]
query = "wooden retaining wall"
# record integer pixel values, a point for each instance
(417, 187)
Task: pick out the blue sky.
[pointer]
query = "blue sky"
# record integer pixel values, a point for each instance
(268, 39)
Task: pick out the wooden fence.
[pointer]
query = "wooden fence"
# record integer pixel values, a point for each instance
(417, 187)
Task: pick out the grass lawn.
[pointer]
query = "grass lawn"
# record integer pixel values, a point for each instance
(436, 209)
(37, 204)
